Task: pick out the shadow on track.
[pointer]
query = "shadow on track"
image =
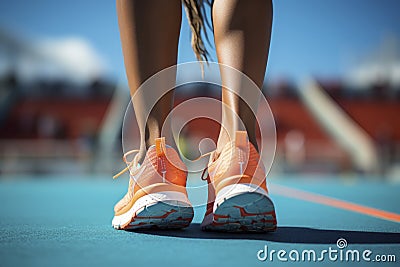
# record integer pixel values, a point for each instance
(286, 234)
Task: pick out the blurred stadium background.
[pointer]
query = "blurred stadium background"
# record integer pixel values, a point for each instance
(333, 84)
(61, 105)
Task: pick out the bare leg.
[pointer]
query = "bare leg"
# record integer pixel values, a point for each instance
(149, 35)
(242, 31)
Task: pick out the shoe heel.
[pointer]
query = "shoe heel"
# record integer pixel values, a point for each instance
(243, 208)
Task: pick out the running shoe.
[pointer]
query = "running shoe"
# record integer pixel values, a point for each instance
(238, 199)
(156, 196)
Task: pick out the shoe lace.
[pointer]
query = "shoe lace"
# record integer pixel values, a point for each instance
(206, 178)
(206, 168)
(134, 162)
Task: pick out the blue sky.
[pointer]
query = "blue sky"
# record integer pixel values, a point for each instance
(310, 37)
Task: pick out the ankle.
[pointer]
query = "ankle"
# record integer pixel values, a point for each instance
(224, 138)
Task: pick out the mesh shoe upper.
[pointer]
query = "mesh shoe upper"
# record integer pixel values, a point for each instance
(162, 169)
(239, 162)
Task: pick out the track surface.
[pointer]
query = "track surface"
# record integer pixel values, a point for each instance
(66, 221)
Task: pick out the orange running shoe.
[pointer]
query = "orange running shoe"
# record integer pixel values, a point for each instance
(238, 198)
(157, 196)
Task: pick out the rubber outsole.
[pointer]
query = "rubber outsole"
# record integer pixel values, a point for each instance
(162, 210)
(243, 212)
(160, 216)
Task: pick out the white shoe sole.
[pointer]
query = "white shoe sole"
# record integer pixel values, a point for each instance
(163, 210)
(241, 208)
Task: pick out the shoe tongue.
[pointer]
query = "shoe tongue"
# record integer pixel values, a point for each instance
(160, 146)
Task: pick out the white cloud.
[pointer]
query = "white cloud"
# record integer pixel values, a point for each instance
(70, 58)
(382, 64)
(75, 57)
